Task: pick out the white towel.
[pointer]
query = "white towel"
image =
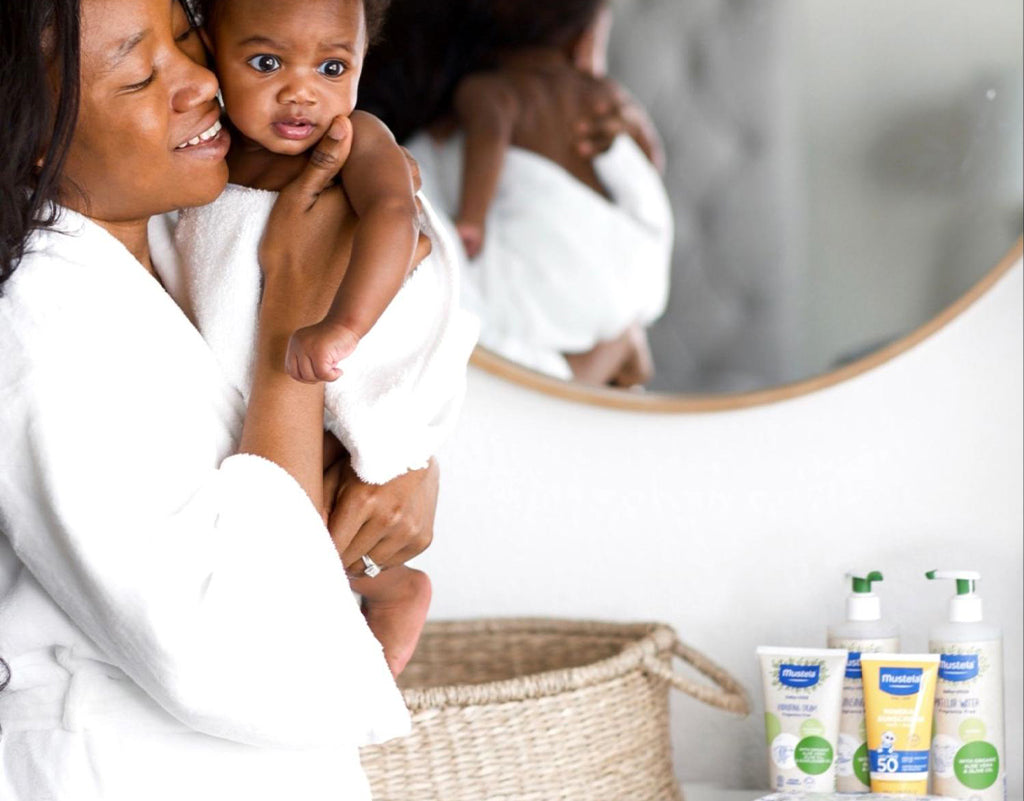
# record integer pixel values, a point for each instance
(562, 267)
(400, 393)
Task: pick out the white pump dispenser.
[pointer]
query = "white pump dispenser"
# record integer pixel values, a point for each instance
(968, 750)
(863, 631)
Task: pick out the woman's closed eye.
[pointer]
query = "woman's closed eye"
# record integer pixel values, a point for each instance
(264, 62)
(138, 87)
(181, 38)
(332, 68)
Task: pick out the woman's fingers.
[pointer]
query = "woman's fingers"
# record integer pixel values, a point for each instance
(332, 483)
(384, 520)
(326, 160)
(371, 542)
(349, 513)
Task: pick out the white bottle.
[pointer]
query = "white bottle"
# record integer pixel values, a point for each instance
(863, 631)
(968, 751)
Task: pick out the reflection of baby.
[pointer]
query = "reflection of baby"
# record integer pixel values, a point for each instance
(286, 70)
(539, 87)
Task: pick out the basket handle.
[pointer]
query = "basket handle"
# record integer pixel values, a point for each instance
(727, 693)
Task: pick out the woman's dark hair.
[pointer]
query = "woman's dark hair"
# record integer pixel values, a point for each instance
(374, 10)
(428, 46)
(39, 50)
(410, 74)
(542, 23)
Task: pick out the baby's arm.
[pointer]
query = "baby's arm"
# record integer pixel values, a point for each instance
(378, 182)
(486, 110)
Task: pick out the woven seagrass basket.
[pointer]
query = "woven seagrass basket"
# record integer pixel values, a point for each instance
(541, 710)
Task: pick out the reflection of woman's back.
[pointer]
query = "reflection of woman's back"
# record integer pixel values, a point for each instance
(569, 251)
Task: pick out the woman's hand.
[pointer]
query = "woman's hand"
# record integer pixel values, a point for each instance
(611, 111)
(284, 419)
(304, 250)
(391, 523)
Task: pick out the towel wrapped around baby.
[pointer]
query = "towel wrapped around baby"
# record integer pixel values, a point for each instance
(401, 390)
(562, 268)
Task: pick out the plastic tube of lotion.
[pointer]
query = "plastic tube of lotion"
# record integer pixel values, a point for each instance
(899, 701)
(803, 697)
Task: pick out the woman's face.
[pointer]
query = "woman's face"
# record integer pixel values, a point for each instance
(147, 138)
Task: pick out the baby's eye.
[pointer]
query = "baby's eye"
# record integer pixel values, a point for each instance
(264, 63)
(332, 68)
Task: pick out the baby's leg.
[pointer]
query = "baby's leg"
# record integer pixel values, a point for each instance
(395, 604)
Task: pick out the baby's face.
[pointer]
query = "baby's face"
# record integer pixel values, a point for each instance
(287, 68)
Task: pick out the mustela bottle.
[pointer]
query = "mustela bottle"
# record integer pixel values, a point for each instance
(863, 631)
(968, 750)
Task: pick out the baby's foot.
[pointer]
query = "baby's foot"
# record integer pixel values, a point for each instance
(396, 611)
(638, 367)
(472, 236)
(314, 351)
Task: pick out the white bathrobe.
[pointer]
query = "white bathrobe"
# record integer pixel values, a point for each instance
(400, 393)
(176, 620)
(562, 267)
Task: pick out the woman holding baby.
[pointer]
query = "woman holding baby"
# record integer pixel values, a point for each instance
(176, 620)
(175, 616)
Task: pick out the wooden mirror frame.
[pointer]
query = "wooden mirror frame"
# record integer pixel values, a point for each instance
(662, 402)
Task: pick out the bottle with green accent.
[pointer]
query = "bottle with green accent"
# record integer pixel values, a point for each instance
(968, 751)
(863, 631)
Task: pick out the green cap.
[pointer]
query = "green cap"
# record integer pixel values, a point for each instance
(964, 579)
(863, 583)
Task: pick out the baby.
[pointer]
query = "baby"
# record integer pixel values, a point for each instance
(544, 60)
(286, 70)
(545, 68)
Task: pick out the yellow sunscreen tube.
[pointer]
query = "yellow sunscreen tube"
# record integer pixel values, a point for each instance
(899, 701)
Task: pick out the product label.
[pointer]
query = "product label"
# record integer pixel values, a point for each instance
(900, 681)
(852, 766)
(958, 667)
(799, 675)
(967, 747)
(802, 700)
(887, 761)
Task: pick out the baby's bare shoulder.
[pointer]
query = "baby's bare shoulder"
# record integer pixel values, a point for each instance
(484, 92)
(369, 131)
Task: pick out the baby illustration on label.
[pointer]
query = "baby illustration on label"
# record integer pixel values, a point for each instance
(888, 743)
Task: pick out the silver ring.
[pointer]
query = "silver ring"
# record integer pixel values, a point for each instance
(372, 568)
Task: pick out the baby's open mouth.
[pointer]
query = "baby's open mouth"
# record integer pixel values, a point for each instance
(294, 128)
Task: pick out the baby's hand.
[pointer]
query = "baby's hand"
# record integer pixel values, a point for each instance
(472, 236)
(314, 351)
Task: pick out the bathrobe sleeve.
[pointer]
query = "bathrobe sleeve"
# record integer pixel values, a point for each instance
(208, 578)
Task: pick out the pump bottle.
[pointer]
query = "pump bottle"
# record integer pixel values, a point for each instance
(968, 748)
(863, 631)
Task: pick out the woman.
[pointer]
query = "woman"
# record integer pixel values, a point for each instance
(174, 617)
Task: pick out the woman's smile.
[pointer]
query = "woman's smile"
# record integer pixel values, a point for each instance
(215, 137)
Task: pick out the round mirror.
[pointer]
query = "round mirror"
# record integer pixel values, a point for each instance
(839, 173)
(836, 176)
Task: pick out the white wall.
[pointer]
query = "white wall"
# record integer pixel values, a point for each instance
(736, 527)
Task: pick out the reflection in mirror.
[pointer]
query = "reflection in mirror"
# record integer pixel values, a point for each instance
(837, 173)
